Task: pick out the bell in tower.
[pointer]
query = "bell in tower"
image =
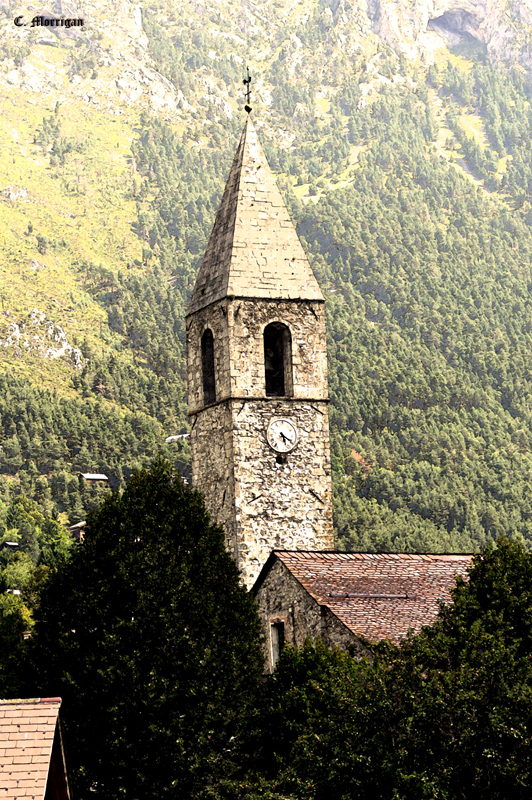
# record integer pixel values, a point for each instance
(257, 375)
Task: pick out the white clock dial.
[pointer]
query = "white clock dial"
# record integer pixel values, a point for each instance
(281, 435)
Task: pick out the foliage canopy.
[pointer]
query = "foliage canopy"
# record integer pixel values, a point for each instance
(447, 715)
(152, 644)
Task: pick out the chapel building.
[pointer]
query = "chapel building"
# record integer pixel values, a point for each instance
(258, 404)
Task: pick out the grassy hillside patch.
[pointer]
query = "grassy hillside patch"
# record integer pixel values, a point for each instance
(72, 206)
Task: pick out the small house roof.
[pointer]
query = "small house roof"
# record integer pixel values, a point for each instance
(93, 476)
(376, 595)
(28, 731)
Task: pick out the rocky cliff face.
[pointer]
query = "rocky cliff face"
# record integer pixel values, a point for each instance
(418, 28)
(106, 63)
(39, 335)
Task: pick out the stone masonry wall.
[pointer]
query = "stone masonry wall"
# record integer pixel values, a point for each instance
(215, 318)
(281, 598)
(238, 326)
(281, 506)
(264, 505)
(306, 321)
(261, 503)
(212, 466)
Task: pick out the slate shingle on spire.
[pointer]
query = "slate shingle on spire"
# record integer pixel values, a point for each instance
(253, 249)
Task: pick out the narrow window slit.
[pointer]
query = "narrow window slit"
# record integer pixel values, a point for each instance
(278, 639)
(278, 360)
(207, 364)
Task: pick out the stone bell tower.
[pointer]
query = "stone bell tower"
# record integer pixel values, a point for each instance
(257, 374)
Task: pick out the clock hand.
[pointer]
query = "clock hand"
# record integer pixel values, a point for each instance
(285, 438)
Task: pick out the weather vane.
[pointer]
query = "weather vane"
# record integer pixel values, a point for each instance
(247, 84)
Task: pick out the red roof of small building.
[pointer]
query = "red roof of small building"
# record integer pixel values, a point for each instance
(27, 732)
(377, 596)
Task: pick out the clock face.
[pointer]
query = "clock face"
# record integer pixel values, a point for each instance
(281, 435)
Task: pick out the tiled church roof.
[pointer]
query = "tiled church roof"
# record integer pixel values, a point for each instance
(377, 596)
(27, 731)
(253, 249)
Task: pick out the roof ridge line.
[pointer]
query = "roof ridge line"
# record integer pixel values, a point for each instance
(29, 701)
(372, 553)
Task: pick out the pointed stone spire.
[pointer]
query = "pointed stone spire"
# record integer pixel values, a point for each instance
(253, 250)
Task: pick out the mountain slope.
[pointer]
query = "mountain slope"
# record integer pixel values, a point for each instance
(411, 186)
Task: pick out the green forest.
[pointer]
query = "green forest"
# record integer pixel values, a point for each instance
(420, 234)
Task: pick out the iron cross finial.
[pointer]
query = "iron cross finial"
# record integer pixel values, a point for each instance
(247, 84)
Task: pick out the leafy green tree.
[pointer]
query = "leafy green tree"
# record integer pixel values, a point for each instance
(18, 570)
(15, 622)
(37, 545)
(463, 712)
(153, 645)
(40, 536)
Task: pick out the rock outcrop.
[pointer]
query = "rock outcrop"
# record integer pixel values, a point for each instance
(107, 63)
(419, 28)
(42, 337)
(104, 63)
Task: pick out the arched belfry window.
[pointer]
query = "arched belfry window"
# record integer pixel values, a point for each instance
(207, 366)
(278, 360)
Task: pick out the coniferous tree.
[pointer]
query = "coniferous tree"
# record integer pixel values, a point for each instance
(153, 645)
